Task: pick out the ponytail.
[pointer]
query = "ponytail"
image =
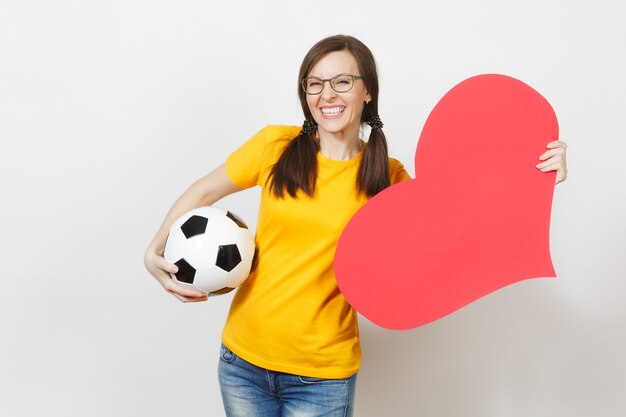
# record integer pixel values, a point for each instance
(296, 169)
(373, 176)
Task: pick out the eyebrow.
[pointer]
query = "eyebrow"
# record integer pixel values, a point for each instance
(322, 78)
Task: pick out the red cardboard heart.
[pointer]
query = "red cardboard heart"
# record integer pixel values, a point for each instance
(476, 217)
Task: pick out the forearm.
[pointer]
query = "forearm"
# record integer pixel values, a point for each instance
(203, 192)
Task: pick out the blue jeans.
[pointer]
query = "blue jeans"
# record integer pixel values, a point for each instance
(250, 391)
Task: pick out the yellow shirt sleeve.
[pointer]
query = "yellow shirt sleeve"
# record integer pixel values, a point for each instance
(250, 164)
(397, 173)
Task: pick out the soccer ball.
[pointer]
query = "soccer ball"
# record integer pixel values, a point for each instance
(212, 248)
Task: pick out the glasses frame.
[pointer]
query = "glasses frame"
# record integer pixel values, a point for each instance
(330, 82)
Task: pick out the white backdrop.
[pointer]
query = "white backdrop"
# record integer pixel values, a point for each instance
(110, 109)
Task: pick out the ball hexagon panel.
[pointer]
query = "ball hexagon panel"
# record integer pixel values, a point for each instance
(239, 273)
(223, 227)
(245, 243)
(201, 251)
(210, 279)
(175, 245)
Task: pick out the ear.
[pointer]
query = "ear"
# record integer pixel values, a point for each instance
(368, 97)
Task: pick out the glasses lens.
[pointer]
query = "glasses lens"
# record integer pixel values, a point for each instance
(313, 85)
(342, 83)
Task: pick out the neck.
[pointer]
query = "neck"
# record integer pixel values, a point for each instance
(341, 145)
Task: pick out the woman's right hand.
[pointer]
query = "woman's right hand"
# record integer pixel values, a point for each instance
(160, 269)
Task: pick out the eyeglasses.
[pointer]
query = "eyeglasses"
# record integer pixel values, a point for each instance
(341, 83)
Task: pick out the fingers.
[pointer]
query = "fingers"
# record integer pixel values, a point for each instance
(557, 144)
(163, 265)
(561, 170)
(552, 152)
(555, 159)
(185, 295)
(161, 270)
(154, 261)
(556, 148)
(190, 299)
(551, 167)
(181, 292)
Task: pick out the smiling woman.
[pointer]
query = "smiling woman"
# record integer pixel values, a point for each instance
(339, 93)
(291, 341)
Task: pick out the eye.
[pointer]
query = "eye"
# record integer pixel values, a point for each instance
(313, 83)
(343, 80)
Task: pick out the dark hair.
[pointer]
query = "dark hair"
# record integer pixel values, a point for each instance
(296, 169)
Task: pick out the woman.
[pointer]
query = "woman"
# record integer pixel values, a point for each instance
(290, 343)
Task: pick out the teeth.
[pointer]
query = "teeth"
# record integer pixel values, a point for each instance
(334, 110)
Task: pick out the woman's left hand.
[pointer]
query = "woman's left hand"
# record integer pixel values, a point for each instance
(554, 160)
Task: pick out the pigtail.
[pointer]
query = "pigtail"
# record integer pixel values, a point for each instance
(296, 169)
(373, 176)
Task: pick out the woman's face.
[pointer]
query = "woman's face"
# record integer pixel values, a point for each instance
(337, 112)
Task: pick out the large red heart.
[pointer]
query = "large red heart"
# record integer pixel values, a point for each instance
(475, 218)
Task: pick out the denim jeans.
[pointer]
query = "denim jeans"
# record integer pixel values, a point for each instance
(251, 391)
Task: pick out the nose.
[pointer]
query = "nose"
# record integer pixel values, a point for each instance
(327, 91)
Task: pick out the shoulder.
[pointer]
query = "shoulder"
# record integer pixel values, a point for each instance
(258, 154)
(269, 142)
(397, 173)
(394, 164)
(272, 139)
(279, 132)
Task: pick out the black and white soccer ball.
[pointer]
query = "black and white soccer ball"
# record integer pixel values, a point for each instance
(213, 249)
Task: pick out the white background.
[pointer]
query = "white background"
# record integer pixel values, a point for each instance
(110, 109)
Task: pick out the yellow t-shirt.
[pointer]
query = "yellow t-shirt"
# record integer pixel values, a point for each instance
(289, 316)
